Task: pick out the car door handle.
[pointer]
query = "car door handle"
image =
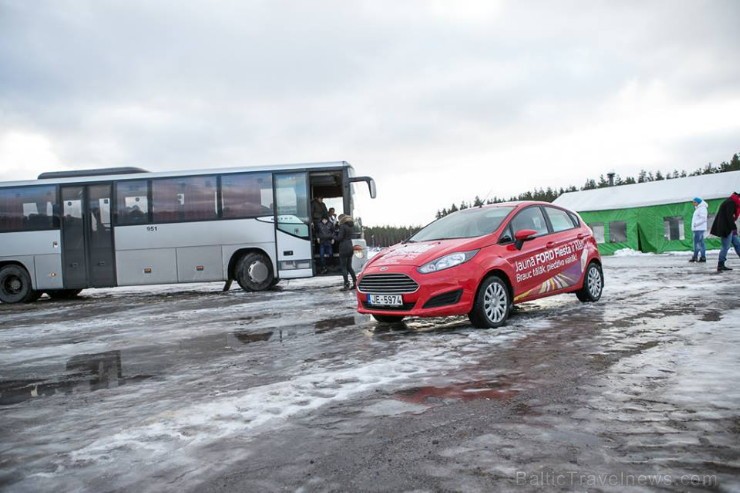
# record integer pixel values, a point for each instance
(550, 244)
(581, 236)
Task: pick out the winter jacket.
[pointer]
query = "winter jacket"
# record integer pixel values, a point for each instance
(318, 210)
(699, 219)
(724, 223)
(325, 232)
(344, 237)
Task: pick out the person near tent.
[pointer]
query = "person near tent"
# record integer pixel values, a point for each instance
(699, 228)
(344, 238)
(725, 228)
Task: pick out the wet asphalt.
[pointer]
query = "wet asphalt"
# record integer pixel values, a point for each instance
(188, 388)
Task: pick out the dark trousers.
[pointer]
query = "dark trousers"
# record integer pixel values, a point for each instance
(346, 264)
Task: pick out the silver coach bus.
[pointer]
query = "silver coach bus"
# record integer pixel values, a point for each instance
(72, 230)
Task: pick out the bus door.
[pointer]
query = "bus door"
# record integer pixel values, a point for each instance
(293, 225)
(87, 236)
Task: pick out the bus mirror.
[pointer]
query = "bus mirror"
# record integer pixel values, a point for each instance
(370, 183)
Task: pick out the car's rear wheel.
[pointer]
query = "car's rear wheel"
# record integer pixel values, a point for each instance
(15, 285)
(593, 284)
(254, 272)
(63, 294)
(388, 319)
(492, 304)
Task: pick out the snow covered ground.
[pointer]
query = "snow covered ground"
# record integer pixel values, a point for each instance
(186, 387)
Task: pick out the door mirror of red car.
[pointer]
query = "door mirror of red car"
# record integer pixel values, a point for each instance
(523, 235)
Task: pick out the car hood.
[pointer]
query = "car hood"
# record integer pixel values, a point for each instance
(420, 253)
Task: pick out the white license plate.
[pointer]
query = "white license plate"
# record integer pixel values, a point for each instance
(385, 299)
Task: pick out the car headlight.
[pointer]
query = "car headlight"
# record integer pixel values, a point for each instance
(447, 261)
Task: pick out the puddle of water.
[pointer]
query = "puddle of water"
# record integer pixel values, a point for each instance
(458, 392)
(333, 323)
(84, 373)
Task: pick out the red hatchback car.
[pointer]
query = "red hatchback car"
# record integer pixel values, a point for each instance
(480, 262)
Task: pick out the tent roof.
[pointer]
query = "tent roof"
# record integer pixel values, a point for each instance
(673, 191)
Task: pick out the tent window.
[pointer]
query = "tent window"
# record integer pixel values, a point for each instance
(617, 232)
(673, 227)
(598, 229)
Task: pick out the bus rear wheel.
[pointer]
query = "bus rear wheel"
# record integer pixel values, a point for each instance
(63, 294)
(15, 285)
(254, 272)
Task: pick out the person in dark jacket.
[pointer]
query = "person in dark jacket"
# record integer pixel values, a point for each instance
(325, 239)
(344, 237)
(724, 227)
(318, 210)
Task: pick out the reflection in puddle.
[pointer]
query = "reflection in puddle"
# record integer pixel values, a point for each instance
(250, 337)
(85, 373)
(333, 323)
(460, 392)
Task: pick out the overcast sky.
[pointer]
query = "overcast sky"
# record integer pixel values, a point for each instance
(439, 101)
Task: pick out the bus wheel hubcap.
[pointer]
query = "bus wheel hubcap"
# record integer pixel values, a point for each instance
(258, 272)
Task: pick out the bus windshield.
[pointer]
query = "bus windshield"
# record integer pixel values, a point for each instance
(468, 223)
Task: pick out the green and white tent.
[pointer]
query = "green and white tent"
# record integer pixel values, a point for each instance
(653, 216)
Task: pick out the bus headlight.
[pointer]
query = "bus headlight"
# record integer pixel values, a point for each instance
(358, 251)
(451, 260)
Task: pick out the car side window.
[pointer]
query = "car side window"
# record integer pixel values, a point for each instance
(530, 218)
(559, 219)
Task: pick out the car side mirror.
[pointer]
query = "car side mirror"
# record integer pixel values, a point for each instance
(523, 235)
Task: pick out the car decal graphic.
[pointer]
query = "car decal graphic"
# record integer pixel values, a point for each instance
(570, 277)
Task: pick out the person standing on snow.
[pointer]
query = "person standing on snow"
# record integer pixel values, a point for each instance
(344, 237)
(724, 227)
(699, 227)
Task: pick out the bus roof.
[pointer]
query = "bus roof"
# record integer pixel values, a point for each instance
(94, 175)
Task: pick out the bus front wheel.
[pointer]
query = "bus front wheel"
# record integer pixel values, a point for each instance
(15, 285)
(254, 272)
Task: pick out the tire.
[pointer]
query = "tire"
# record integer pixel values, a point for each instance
(254, 272)
(15, 285)
(388, 319)
(63, 294)
(593, 284)
(492, 304)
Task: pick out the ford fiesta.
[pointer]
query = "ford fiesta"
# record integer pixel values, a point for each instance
(480, 262)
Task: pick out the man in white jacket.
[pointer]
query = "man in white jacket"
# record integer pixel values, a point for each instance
(699, 227)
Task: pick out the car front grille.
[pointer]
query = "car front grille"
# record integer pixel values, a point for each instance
(387, 284)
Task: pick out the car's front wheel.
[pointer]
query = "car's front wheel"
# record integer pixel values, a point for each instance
(593, 284)
(492, 304)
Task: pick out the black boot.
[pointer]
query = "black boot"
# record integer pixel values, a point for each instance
(346, 287)
(721, 267)
(692, 259)
(702, 260)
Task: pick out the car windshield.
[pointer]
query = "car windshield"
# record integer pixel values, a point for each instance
(468, 223)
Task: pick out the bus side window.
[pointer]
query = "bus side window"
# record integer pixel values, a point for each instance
(132, 204)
